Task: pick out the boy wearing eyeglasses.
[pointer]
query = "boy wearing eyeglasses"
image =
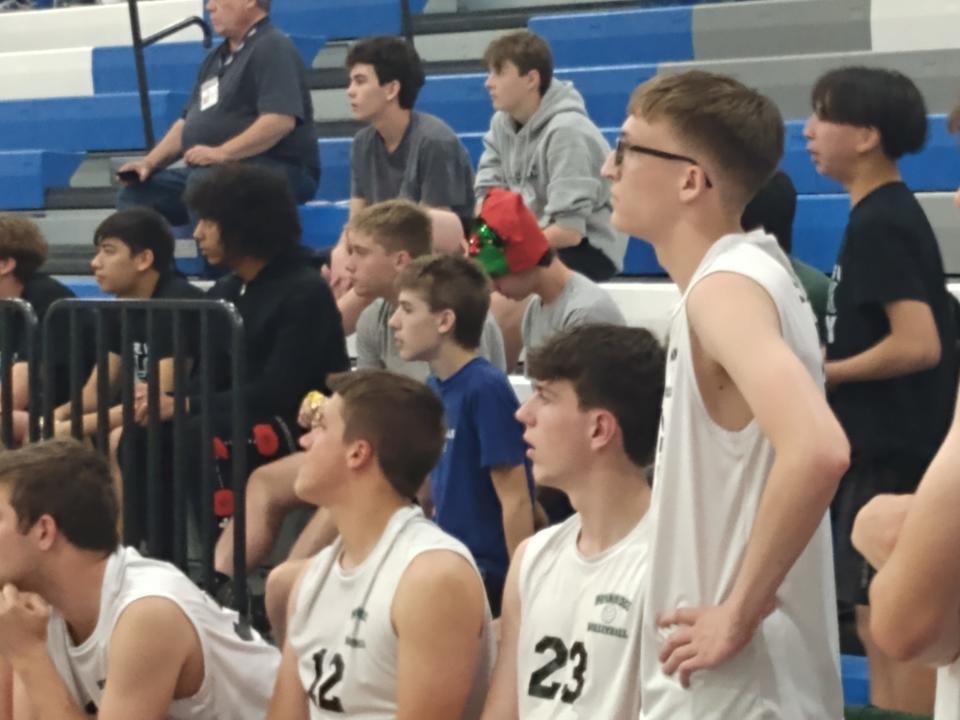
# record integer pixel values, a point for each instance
(739, 617)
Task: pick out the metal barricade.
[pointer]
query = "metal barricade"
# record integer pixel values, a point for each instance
(185, 316)
(18, 343)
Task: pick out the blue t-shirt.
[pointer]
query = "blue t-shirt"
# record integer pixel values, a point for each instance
(482, 433)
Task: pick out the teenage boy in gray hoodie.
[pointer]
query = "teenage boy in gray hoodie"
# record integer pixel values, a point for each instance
(543, 145)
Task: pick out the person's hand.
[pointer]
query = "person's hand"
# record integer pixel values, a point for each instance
(142, 168)
(336, 275)
(62, 429)
(706, 637)
(141, 405)
(204, 155)
(311, 409)
(23, 623)
(877, 527)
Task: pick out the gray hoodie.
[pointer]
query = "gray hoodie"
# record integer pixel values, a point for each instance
(554, 162)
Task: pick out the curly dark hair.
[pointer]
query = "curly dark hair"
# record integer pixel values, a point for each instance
(253, 207)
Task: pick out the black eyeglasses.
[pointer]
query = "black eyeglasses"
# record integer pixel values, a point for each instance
(622, 148)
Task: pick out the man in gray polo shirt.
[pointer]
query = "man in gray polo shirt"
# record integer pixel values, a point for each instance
(251, 103)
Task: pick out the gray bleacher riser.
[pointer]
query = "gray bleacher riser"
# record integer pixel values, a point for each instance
(787, 80)
(69, 227)
(789, 27)
(945, 219)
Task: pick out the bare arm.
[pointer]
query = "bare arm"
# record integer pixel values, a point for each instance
(439, 615)
(289, 701)
(561, 237)
(6, 690)
(88, 397)
(502, 699)
(912, 345)
(510, 483)
(915, 597)
(149, 648)
(737, 326)
(21, 386)
(166, 151)
(265, 132)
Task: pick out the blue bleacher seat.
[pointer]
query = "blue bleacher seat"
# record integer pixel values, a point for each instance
(170, 66)
(342, 19)
(818, 228)
(641, 260)
(335, 168)
(322, 222)
(647, 35)
(102, 122)
(25, 175)
(855, 674)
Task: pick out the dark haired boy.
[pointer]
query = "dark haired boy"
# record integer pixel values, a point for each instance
(93, 629)
(390, 621)
(592, 425)
(543, 145)
(23, 250)
(248, 223)
(134, 261)
(481, 489)
(739, 614)
(891, 334)
(401, 153)
(773, 209)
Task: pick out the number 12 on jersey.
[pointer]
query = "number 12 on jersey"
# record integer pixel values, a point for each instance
(576, 655)
(321, 690)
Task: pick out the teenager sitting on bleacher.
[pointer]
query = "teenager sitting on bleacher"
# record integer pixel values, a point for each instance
(93, 629)
(891, 335)
(251, 103)
(134, 261)
(401, 153)
(516, 253)
(23, 250)
(294, 339)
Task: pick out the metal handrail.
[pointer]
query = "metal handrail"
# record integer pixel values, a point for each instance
(139, 43)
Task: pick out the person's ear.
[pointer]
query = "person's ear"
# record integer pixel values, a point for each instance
(143, 260)
(45, 530)
(446, 321)
(359, 453)
(868, 139)
(392, 89)
(7, 266)
(692, 184)
(603, 428)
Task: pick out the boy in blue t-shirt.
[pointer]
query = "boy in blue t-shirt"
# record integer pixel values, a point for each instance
(482, 490)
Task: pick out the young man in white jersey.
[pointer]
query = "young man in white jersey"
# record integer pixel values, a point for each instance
(739, 619)
(912, 541)
(592, 429)
(93, 629)
(391, 620)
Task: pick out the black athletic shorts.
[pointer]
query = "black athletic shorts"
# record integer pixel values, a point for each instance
(866, 478)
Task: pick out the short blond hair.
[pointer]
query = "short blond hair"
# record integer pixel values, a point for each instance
(397, 225)
(21, 239)
(738, 128)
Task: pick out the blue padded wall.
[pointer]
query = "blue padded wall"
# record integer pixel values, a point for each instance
(341, 19)
(25, 175)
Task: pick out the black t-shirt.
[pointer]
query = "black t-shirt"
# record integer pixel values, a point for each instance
(294, 339)
(41, 291)
(890, 253)
(265, 75)
(170, 286)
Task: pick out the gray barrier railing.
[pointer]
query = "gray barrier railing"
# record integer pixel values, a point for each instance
(191, 329)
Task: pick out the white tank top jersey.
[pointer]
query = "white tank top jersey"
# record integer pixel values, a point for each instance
(579, 646)
(341, 628)
(238, 674)
(948, 693)
(706, 490)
